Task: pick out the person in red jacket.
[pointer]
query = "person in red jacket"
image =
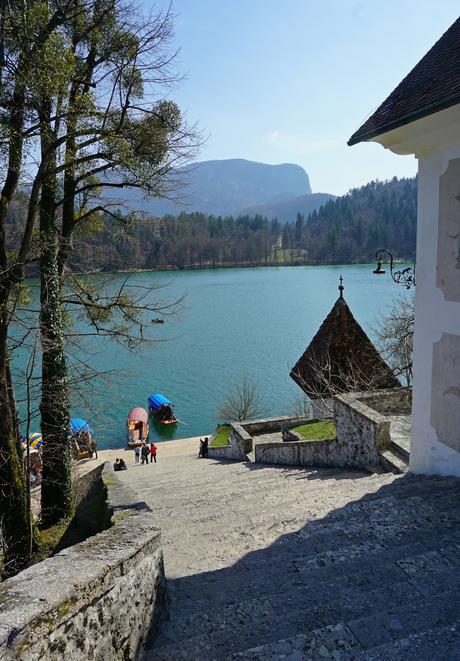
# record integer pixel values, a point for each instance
(153, 452)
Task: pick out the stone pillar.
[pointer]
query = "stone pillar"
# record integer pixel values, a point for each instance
(435, 445)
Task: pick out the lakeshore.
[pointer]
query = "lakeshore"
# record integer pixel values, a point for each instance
(233, 324)
(179, 447)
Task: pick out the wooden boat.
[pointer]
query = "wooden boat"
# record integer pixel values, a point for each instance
(33, 457)
(137, 426)
(83, 443)
(162, 409)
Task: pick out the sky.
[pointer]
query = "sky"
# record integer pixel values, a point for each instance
(289, 81)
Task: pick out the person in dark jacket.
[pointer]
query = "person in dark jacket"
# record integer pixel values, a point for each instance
(145, 453)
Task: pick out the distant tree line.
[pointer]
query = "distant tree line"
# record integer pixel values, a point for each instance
(346, 230)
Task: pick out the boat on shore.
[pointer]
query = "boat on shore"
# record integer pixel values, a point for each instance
(137, 426)
(162, 409)
(83, 443)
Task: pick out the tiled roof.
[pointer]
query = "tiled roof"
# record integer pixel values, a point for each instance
(432, 85)
(341, 358)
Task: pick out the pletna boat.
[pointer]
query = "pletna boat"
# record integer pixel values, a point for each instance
(83, 443)
(162, 409)
(35, 441)
(137, 426)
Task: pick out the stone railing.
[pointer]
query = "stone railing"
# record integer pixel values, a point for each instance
(241, 436)
(360, 432)
(300, 453)
(94, 600)
(361, 427)
(392, 401)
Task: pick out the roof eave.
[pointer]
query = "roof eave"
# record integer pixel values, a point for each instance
(430, 109)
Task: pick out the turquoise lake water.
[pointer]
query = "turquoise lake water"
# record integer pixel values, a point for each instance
(234, 324)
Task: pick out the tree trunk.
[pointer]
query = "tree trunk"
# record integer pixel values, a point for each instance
(15, 516)
(56, 496)
(15, 519)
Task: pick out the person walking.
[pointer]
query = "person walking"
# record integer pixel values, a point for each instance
(144, 453)
(137, 454)
(204, 451)
(153, 452)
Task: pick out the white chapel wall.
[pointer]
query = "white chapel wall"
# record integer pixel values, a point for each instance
(435, 446)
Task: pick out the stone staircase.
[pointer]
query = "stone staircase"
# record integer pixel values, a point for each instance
(271, 562)
(395, 458)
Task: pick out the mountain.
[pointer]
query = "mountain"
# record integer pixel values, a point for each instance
(346, 230)
(287, 210)
(224, 188)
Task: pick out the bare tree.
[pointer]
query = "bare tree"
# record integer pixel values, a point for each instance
(395, 337)
(243, 403)
(301, 407)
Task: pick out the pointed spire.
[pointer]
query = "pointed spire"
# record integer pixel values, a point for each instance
(341, 358)
(341, 287)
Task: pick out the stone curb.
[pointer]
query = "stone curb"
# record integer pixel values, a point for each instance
(43, 610)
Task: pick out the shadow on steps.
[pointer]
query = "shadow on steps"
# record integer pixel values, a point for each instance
(376, 574)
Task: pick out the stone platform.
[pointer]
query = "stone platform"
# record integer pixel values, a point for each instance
(271, 562)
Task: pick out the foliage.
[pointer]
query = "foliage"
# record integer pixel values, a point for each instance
(321, 430)
(196, 240)
(80, 110)
(353, 227)
(222, 436)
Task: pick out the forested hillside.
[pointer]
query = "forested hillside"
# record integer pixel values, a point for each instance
(348, 229)
(352, 227)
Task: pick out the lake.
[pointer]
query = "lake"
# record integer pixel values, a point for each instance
(251, 323)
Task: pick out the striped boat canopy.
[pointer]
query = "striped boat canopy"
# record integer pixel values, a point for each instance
(35, 441)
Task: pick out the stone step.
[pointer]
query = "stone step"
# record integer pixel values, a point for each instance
(424, 635)
(404, 620)
(266, 561)
(337, 642)
(398, 449)
(438, 643)
(393, 462)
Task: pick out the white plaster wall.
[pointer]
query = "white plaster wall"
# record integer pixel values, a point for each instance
(433, 316)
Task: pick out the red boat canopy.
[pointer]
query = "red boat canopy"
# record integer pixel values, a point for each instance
(138, 414)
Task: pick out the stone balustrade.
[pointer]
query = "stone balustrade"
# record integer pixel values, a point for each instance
(94, 600)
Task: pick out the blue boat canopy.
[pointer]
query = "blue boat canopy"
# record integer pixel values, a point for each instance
(78, 424)
(158, 400)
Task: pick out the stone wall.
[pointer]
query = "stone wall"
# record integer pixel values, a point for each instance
(94, 600)
(354, 446)
(299, 453)
(361, 427)
(229, 452)
(361, 434)
(241, 441)
(267, 425)
(391, 401)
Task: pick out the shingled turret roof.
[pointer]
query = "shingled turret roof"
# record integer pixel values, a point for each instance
(341, 358)
(431, 86)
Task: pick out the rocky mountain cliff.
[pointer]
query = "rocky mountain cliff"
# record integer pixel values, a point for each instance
(227, 187)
